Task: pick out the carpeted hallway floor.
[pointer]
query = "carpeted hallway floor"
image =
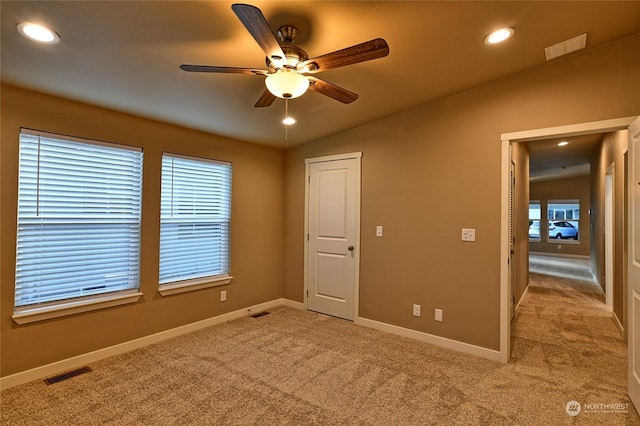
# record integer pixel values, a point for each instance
(299, 368)
(576, 268)
(564, 327)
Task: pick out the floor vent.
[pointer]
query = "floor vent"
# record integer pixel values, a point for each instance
(260, 314)
(67, 375)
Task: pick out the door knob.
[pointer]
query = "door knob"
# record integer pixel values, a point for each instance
(350, 248)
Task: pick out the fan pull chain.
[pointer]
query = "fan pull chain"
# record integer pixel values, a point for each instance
(286, 127)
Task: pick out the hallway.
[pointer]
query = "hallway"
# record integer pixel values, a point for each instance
(564, 327)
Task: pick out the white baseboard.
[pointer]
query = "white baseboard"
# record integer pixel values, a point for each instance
(293, 304)
(430, 338)
(566, 255)
(619, 325)
(517, 309)
(82, 360)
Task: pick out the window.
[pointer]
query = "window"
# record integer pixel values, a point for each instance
(564, 219)
(78, 220)
(534, 220)
(194, 223)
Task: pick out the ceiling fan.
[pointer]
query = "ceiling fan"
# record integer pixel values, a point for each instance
(289, 70)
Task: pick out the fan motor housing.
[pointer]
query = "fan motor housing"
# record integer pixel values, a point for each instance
(294, 56)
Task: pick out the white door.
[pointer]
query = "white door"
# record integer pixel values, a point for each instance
(634, 263)
(333, 212)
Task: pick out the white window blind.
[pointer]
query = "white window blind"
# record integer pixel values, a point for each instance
(78, 218)
(195, 218)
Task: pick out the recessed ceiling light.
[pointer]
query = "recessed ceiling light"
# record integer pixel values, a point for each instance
(498, 36)
(37, 32)
(288, 121)
(563, 143)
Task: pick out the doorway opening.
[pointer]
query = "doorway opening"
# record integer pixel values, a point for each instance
(605, 126)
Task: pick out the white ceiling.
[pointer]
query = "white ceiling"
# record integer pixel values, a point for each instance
(124, 55)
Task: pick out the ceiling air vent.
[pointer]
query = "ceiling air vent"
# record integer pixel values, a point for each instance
(567, 46)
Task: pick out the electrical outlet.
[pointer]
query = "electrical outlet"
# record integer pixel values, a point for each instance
(438, 315)
(223, 296)
(416, 310)
(379, 231)
(468, 234)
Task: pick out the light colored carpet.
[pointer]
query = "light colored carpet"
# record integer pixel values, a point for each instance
(577, 268)
(299, 368)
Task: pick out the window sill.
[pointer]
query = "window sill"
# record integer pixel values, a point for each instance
(42, 313)
(192, 285)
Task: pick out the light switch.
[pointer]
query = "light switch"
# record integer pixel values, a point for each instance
(379, 231)
(468, 234)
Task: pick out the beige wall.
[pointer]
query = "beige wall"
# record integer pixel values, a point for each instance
(426, 173)
(256, 230)
(432, 170)
(563, 189)
(612, 152)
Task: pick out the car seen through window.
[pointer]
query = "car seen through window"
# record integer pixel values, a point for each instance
(563, 229)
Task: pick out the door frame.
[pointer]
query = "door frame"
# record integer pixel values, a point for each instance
(602, 126)
(358, 199)
(609, 236)
(512, 240)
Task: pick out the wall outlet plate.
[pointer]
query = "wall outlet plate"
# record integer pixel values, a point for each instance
(468, 234)
(438, 315)
(416, 310)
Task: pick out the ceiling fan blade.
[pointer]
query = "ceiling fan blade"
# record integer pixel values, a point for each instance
(331, 90)
(258, 27)
(265, 100)
(372, 49)
(228, 70)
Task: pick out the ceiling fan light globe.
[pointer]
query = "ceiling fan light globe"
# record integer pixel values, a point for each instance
(287, 84)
